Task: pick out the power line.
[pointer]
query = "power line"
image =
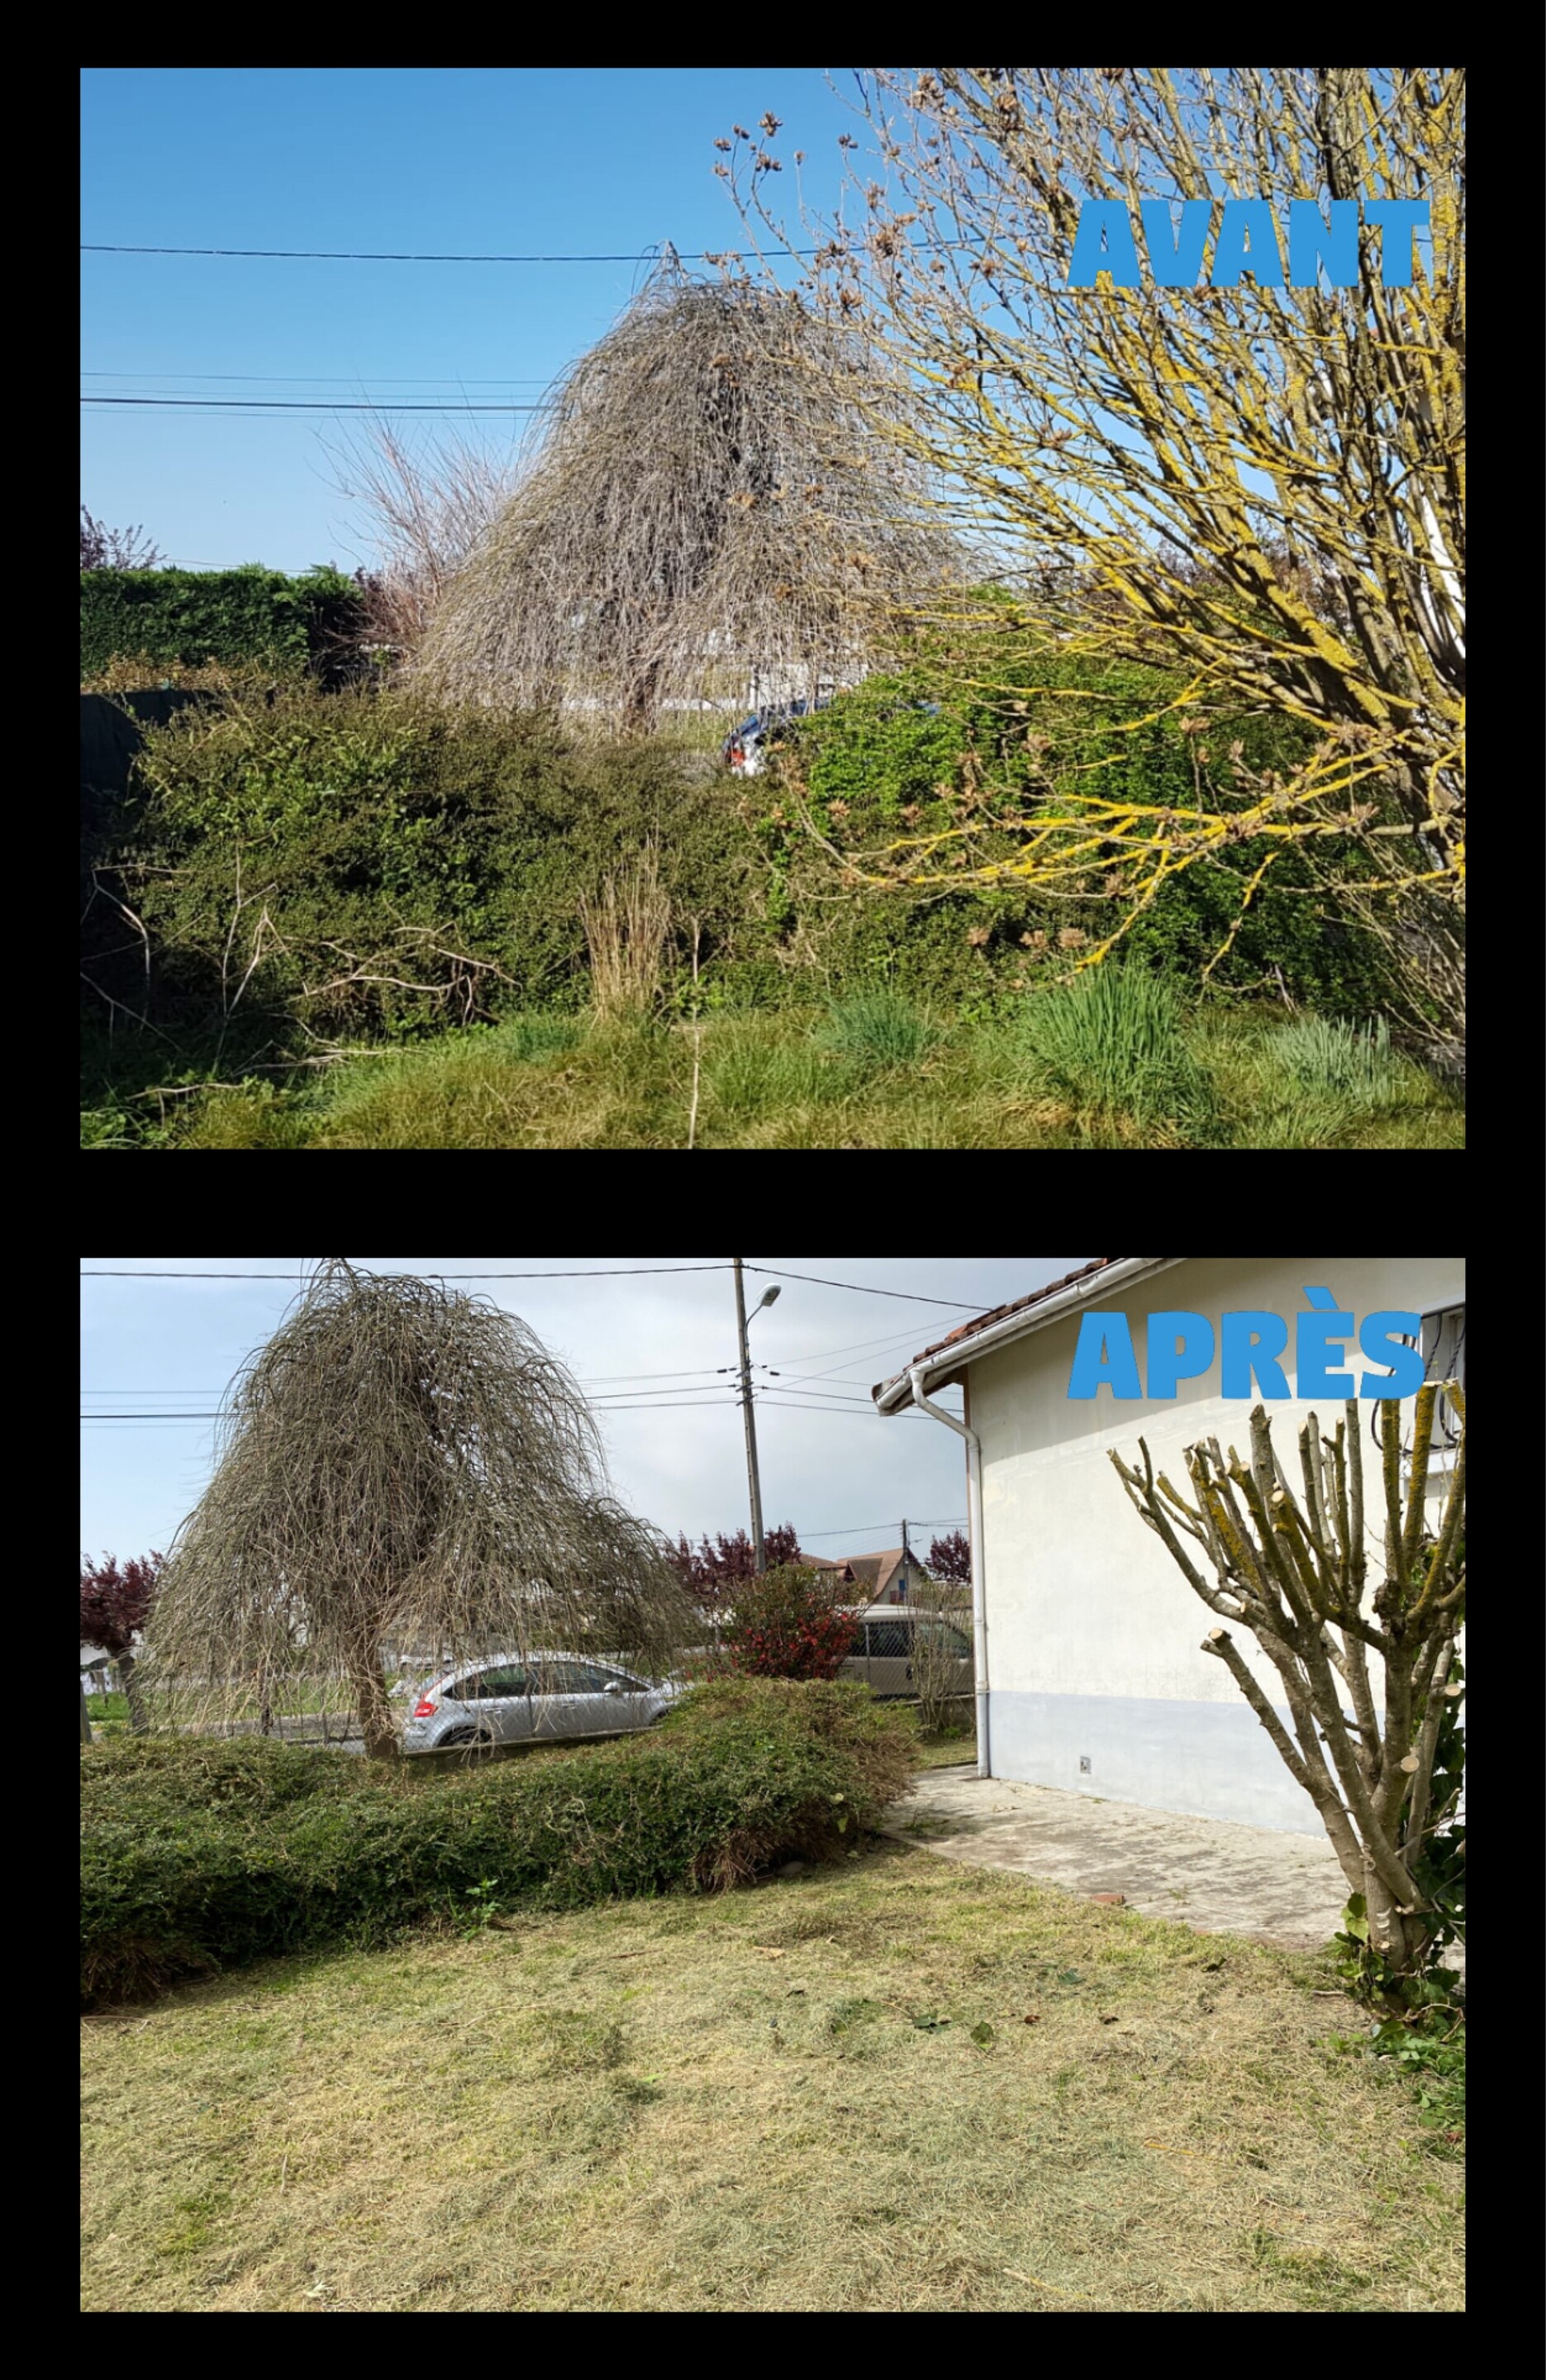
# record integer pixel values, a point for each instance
(583, 1379)
(688, 1407)
(868, 1528)
(864, 1288)
(296, 404)
(962, 1306)
(818, 1355)
(778, 1405)
(611, 1401)
(157, 1421)
(392, 256)
(592, 1378)
(328, 380)
(620, 1272)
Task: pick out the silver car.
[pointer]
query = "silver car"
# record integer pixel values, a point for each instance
(506, 1700)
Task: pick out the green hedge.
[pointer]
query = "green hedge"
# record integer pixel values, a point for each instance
(191, 616)
(199, 1856)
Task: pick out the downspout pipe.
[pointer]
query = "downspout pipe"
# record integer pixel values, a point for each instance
(979, 1596)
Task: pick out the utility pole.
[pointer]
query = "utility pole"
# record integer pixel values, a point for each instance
(751, 1427)
(905, 1579)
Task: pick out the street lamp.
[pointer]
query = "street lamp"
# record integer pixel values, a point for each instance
(769, 1297)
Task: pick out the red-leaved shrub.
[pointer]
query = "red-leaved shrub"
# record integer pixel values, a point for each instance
(791, 1623)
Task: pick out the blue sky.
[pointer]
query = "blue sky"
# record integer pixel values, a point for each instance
(830, 1462)
(509, 159)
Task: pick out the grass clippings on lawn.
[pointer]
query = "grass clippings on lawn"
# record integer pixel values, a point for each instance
(891, 2086)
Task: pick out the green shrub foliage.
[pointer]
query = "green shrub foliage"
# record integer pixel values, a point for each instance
(418, 867)
(403, 868)
(196, 1856)
(915, 755)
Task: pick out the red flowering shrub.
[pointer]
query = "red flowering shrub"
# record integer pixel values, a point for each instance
(791, 1623)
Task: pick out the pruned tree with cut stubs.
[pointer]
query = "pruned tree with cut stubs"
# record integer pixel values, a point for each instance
(1258, 485)
(116, 1599)
(704, 503)
(401, 1466)
(1295, 1574)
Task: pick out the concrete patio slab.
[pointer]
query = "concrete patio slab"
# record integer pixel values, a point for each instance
(1219, 1878)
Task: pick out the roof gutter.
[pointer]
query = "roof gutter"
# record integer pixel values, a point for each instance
(979, 1594)
(903, 1389)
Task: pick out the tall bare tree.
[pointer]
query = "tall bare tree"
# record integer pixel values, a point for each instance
(430, 504)
(1259, 484)
(1297, 1576)
(400, 1466)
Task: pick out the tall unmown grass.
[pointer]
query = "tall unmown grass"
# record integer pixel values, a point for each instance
(1112, 1047)
(1112, 1061)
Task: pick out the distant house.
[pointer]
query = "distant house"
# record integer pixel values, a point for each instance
(1087, 1640)
(95, 1669)
(887, 1577)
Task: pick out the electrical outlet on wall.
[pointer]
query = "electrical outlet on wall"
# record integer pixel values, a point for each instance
(1083, 1768)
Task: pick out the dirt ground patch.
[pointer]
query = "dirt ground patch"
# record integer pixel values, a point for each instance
(900, 2084)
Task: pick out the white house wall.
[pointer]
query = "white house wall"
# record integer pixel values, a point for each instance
(1094, 1636)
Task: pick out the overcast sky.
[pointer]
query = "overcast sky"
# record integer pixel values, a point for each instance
(651, 1351)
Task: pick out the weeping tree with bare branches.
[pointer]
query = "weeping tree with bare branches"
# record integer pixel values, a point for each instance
(1384, 1777)
(400, 1466)
(704, 503)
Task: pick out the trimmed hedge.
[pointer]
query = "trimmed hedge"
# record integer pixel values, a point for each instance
(197, 1856)
(178, 617)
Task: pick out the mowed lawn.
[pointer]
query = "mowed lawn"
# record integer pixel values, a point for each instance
(821, 2094)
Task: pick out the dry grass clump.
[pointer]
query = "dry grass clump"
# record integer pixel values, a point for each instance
(626, 925)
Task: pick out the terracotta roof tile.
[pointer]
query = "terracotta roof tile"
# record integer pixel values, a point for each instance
(996, 1314)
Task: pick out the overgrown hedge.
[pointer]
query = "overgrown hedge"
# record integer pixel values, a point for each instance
(191, 616)
(404, 867)
(197, 1856)
(394, 845)
(914, 754)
